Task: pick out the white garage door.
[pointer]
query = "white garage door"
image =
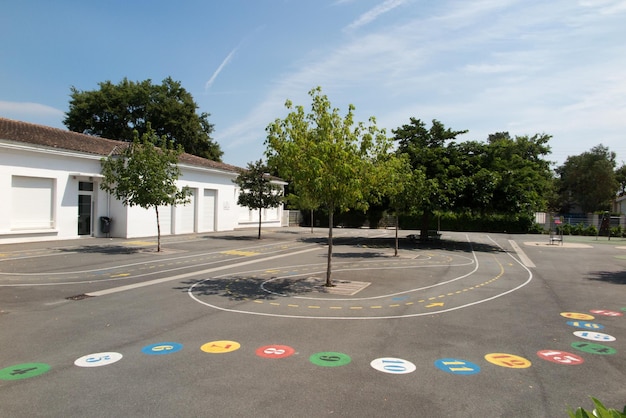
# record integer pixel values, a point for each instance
(208, 211)
(186, 216)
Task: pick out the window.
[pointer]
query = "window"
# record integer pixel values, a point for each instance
(32, 203)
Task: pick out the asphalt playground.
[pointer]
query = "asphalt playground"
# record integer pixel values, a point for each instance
(223, 324)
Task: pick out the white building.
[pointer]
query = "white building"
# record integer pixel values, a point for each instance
(49, 189)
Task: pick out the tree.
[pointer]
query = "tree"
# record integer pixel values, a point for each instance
(328, 159)
(427, 151)
(588, 180)
(115, 111)
(144, 175)
(257, 190)
(401, 187)
(620, 176)
(524, 177)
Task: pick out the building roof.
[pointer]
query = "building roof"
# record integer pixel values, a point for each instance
(45, 136)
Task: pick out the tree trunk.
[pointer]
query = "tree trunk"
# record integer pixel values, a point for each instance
(311, 221)
(395, 254)
(260, 217)
(329, 281)
(156, 209)
(425, 224)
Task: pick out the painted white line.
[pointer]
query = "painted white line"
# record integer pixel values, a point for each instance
(195, 273)
(360, 318)
(522, 255)
(124, 266)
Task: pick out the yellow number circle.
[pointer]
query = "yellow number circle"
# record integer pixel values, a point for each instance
(218, 347)
(508, 360)
(577, 315)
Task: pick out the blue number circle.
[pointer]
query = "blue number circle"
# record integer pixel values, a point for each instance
(160, 349)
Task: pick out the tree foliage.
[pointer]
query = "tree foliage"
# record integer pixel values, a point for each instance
(428, 152)
(588, 180)
(328, 159)
(620, 176)
(503, 175)
(524, 177)
(144, 174)
(115, 111)
(257, 190)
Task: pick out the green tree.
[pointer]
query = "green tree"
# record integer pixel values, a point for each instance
(114, 111)
(427, 152)
(620, 176)
(588, 180)
(257, 191)
(327, 158)
(524, 177)
(144, 174)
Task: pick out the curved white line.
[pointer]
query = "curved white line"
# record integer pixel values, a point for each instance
(530, 276)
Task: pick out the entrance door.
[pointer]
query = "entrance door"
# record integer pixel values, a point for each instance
(84, 207)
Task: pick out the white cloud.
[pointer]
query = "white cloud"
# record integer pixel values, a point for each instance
(32, 112)
(374, 13)
(488, 66)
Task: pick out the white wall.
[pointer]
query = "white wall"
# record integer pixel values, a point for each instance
(67, 169)
(58, 166)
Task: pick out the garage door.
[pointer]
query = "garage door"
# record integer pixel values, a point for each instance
(208, 211)
(186, 216)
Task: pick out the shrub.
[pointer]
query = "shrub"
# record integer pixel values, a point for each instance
(591, 231)
(600, 412)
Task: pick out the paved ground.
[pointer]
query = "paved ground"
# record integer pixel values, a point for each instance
(487, 325)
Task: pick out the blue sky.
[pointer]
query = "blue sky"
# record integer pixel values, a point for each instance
(523, 66)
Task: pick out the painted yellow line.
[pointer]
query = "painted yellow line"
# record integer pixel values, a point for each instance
(356, 307)
(376, 307)
(121, 275)
(274, 303)
(313, 307)
(293, 306)
(394, 305)
(335, 307)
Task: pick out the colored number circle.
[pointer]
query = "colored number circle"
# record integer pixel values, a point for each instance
(594, 336)
(584, 324)
(576, 315)
(275, 351)
(508, 360)
(23, 371)
(159, 349)
(560, 357)
(330, 359)
(594, 348)
(393, 365)
(219, 347)
(98, 359)
(457, 366)
(604, 312)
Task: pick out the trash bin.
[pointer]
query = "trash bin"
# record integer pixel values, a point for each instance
(105, 224)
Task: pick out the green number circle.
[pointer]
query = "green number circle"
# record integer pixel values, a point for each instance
(330, 359)
(23, 371)
(592, 348)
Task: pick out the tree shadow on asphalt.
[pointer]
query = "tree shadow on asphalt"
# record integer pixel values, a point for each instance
(104, 249)
(406, 244)
(614, 277)
(240, 288)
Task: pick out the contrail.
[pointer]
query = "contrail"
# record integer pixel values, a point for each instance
(228, 58)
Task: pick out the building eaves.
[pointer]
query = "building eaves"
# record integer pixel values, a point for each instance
(48, 137)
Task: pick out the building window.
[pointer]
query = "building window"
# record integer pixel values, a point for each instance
(85, 186)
